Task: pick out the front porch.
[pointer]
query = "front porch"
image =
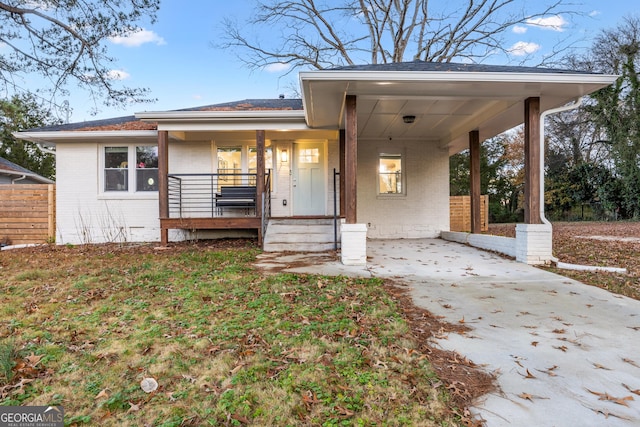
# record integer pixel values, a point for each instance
(217, 201)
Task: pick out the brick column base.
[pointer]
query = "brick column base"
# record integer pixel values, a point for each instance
(534, 243)
(353, 243)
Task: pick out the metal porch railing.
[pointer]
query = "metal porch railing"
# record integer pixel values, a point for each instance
(211, 195)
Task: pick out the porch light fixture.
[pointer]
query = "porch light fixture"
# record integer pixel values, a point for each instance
(408, 119)
(284, 156)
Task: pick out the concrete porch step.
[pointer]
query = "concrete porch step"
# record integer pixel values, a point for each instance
(299, 235)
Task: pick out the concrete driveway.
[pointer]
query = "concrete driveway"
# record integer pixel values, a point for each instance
(564, 353)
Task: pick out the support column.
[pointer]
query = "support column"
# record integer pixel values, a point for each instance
(342, 172)
(532, 159)
(353, 236)
(163, 183)
(351, 160)
(534, 239)
(474, 181)
(260, 175)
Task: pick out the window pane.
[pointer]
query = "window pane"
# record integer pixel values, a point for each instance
(147, 168)
(116, 163)
(229, 162)
(147, 157)
(390, 173)
(116, 157)
(116, 179)
(147, 179)
(253, 160)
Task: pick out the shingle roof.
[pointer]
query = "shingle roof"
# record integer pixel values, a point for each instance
(6, 165)
(132, 123)
(9, 168)
(454, 67)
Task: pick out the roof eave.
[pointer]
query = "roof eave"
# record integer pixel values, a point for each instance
(456, 76)
(227, 120)
(51, 137)
(31, 175)
(232, 115)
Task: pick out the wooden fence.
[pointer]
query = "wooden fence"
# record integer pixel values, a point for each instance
(460, 213)
(27, 213)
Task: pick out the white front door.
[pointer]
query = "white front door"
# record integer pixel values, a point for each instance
(309, 178)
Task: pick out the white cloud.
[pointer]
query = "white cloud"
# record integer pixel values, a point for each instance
(138, 38)
(277, 68)
(197, 97)
(117, 75)
(524, 48)
(519, 29)
(594, 13)
(555, 23)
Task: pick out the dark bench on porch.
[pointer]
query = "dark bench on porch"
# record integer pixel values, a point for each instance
(237, 197)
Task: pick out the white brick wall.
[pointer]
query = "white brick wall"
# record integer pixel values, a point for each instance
(503, 245)
(86, 214)
(532, 245)
(423, 212)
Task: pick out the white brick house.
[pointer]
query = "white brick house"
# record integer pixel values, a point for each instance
(231, 169)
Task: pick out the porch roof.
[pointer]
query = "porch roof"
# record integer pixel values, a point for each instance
(447, 100)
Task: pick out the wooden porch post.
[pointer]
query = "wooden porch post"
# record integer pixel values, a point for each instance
(260, 174)
(342, 172)
(163, 184)
(474, 181)
(351, 160)
(532, 158)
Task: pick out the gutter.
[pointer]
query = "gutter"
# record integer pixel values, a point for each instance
(14, 180)
(556, 261)
(567, 107)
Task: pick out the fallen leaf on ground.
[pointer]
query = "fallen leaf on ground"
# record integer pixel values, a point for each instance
(606, 396)
(636, 391)
(103, 394)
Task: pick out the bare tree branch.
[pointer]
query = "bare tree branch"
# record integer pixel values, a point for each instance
(65, 41)
(322, 34)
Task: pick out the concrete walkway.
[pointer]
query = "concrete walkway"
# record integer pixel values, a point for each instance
(564, 353)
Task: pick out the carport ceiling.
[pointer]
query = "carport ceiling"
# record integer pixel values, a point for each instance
(446, 105)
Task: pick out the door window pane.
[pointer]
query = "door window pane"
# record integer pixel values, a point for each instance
(308, 155)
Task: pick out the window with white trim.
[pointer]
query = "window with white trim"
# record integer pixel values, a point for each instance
(390, 173)
(236, 160)
(130, 168)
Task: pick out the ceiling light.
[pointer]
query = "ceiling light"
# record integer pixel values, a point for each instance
(408, 119)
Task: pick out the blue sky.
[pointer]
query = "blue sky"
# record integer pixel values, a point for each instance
(176, 59)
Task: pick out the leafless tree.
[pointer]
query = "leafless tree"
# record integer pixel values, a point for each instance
(63, 41)
(322, 34)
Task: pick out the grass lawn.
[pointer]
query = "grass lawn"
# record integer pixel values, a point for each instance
(86, 327)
